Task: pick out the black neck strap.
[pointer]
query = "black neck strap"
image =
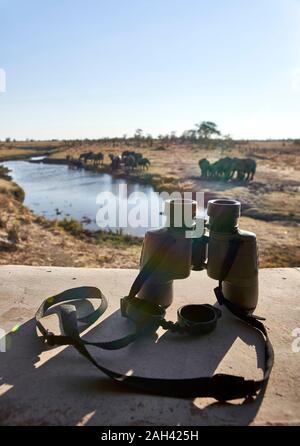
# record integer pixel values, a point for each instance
(222, 387)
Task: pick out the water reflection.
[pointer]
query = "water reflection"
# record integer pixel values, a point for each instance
(57, 192)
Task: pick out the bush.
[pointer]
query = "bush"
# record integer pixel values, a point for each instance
(71, 225)
(19, 193)
(4, 173)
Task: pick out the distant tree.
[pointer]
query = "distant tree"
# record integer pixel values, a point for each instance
(7, 139)
(138, 133)
(225, 143)
(190, 135)
(149, 140)
(207, 129)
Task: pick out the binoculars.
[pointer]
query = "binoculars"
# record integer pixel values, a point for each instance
(227, 253)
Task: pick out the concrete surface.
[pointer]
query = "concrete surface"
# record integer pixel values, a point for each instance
(59, 387)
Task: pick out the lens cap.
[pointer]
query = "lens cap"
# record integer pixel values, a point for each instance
(198, 319)
(142, 311)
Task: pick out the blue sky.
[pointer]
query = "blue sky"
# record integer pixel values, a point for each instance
(92, 68)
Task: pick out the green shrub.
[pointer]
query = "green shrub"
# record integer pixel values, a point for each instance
(4, 173)
(71, 225)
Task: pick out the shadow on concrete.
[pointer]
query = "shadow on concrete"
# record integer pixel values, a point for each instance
(67, 390)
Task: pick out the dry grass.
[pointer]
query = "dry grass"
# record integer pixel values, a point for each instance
(279, 244)
(11, 188)
(46, 243)
(23, 150)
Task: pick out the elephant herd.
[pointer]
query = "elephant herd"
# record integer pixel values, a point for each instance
(242, 169)
(130, 160)
(91, 156)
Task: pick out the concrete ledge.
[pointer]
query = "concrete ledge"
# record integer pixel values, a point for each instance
(58, 387)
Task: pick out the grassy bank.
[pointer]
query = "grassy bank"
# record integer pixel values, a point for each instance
(24, 150)
(159, 182)
(28, 239)
(37, 241)
(77, 229)
(11, 188)
(7, 186)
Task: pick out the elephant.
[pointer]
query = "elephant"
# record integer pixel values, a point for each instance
(137, 156)
(85, 156)
(98, 157)
(130, 162)
(249, 168)
(126, 153)
(73, 162)
(115, 161)
(204, 165)
(144, 163)
(226, 168)
(245, 168)
(215, 169)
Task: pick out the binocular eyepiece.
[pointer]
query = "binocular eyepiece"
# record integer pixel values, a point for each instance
(228, 253)
(223, 215)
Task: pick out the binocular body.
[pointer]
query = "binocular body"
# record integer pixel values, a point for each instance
(228, 253)
(175, 265)
(240, 286)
